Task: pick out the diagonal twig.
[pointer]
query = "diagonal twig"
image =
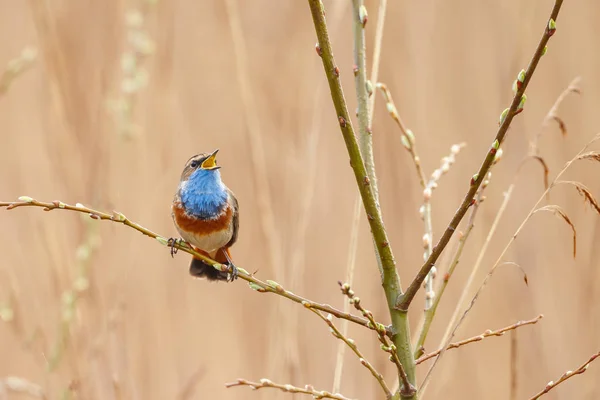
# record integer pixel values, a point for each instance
(380, 329)
(429, 314)
(308, 389)
(569, 374)
(478, 338)
(454, 327)
(505, 121)
(350, 343)
(256, 284)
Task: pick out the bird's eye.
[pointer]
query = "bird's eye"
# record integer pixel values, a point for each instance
(194, 164)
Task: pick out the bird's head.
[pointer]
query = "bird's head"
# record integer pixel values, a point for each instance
(202, 166)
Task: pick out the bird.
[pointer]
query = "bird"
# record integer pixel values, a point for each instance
(206, 215)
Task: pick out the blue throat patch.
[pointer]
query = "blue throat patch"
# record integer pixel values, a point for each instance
(204, 195)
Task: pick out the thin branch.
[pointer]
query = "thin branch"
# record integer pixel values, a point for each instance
(484, 335)
(380, 329)
(365, 141)
(351, 265)
(429, 314)
(505, 121)
(408, 138)
(377, 52)
(569, 374)
(390, 278)
(308, 389)
(337, 377)
(350, 343)
(256, 284)
(425, 210)
(453, 328)
(507, 196)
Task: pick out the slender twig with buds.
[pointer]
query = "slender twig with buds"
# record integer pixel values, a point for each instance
(385, 256)
(534, 209)
(499, 215)
(486, 334)
(308, 389)
(256, 284)
(352, 345)
(506, 118)
(425, 212)
(569, 374)
(429, 314)
(380, 329)
(408, 137)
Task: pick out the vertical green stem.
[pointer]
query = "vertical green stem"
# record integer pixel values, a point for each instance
(391, 280)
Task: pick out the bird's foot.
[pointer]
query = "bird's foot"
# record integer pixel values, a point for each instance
(174, 242)
(232, 273)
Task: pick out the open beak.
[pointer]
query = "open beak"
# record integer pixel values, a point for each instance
(211, 161)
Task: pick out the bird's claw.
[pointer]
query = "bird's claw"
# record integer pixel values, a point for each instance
(173, 243)
(232, 273)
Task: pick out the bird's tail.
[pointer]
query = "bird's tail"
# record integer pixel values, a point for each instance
(201, 269)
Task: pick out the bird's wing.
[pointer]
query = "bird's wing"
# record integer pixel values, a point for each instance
(236, 218)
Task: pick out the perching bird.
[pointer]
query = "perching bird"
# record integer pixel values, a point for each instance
(205, 213)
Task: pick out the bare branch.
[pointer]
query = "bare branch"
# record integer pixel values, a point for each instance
(478, 338)
(308, 389)
(408, 138)
(451, 326)
(505, 121)
(429, 314)
(352, 345)
(569, 374)
(256, 284)
(407, 388)
(385, 256)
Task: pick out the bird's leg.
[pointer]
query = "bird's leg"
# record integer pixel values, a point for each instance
(174, 242)
(233, 271)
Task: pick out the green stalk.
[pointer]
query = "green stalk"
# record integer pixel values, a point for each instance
(391, 280)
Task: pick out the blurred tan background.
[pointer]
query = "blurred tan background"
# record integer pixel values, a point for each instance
(123, 93)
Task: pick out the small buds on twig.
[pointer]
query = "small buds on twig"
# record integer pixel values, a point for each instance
(318, 50)
(503, 116)
(568, 374)
(267, 383)
(486, 334)
(362, 15)
(551, 27)
(386, 345)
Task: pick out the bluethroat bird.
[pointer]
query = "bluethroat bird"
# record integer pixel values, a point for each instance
(206, 214)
